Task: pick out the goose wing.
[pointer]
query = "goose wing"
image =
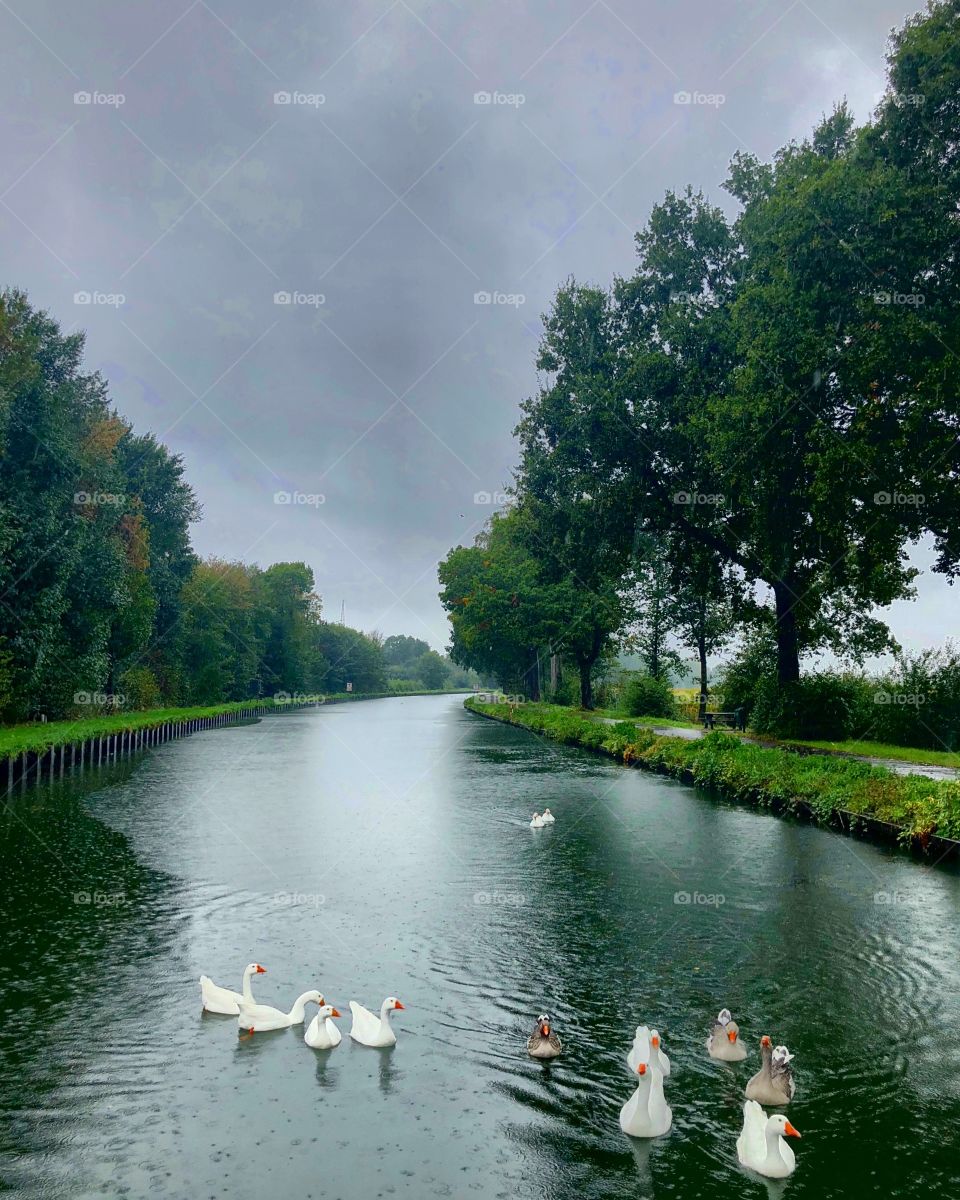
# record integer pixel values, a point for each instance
(365, 1024)
(752, 1142)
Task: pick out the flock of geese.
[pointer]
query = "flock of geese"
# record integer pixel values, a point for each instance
(646, 1114)
(320, 1034)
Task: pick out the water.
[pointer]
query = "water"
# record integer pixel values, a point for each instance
(383, 848)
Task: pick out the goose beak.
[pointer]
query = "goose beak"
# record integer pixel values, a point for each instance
(789, 1130)
(261, 970)
(399, 1005)
(655, 1042)
(642, 1069)
(545, 1030)
(732, 1035)
(765, 1040)
(336, 1013)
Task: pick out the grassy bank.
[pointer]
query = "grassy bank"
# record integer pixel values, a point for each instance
(15, 739)
(924, 758)
(828, 789)
(35, 738)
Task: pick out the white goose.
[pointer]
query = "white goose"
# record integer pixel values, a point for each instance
(217, 999)
(760, 1145)
(547, 817)
(536, 821)
(321, 1033)
(646, 1114)
(260, 1018)
(646, 1048)
(368, 1030)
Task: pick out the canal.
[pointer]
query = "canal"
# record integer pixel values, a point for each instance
(383, 849)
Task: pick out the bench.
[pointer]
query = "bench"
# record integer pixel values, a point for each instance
(733, 720)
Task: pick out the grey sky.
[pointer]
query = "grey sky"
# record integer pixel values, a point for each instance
(396, 198)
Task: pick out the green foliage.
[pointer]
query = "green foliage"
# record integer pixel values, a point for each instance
(647, 696)
(139, 689)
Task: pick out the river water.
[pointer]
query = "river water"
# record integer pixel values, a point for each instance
(383, 848)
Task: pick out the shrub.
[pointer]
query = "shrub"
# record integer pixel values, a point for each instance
(645, 696)
(745, 680)
(139, 688)
(818, 707)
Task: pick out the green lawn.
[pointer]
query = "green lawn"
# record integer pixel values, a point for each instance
(616, 715)
(926, 758)
(15, 739)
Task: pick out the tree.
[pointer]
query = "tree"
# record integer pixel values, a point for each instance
(496, 605)
(431, 670)
(403, 651)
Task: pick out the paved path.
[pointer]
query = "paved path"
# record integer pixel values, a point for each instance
(897, 765)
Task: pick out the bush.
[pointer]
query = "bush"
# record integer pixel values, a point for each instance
(746, 679)
(645, 696)
(139, 689)
(818, 707)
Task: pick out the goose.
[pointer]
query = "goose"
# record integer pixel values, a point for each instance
(773, 1084)
(722, 1043)
(543, 1042)
(368, 1030)
(218, 999)
(760, 1145)
(321, 1033)
(260, 1018)
(646, 1114)
(547, 817)
(646, 1048)
(536, 821)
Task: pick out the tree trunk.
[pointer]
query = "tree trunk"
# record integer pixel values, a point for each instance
(788, 649)
(702, 650)
(533, 677)
(586, 683)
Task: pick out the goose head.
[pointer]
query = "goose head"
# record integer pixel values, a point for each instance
(543, 1025)
(254, 969)
(391, 1004)
(327, 1010)
(732, 1032)
(655, 1039)
(780, 1125)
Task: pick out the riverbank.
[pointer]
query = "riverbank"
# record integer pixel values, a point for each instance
(834, 791)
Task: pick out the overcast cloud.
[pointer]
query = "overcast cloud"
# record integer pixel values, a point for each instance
(386, 189)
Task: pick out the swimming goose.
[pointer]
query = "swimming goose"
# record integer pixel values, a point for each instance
(646, 1114)
(261, 1018)
(321, 1033)
(773, 1084)
(547, 817)
(368, 1030)
(722, 1042)
(646, 1048)
(760, 1145)
(543, 1042)
(536, 821)
(218, 999)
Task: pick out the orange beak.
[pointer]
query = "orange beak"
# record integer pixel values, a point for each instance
(336, 1013)
(399, 1005)
(261, 970)
(655, 1042)
(545, 1030)
(765, 1040)
(642, 1069)
(732, 1035)
(789, 1130)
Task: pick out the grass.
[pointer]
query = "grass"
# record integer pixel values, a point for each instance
(36, 738)
(618, 715)
(926, 758)
(827, 788)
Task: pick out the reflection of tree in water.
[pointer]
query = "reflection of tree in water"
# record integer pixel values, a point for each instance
(72, 921)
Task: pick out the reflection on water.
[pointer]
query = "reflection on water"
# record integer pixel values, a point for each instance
(383, 848)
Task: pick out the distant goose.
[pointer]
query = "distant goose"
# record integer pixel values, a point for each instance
(547, 817)
(543, 1042)
(773, 1084)
(369, 1030)
(536, 821)
(722, 1043)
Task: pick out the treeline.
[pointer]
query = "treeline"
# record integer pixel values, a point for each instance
(744, 436)
(103, 601)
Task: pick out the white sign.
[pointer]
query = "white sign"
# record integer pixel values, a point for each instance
(349, 687)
